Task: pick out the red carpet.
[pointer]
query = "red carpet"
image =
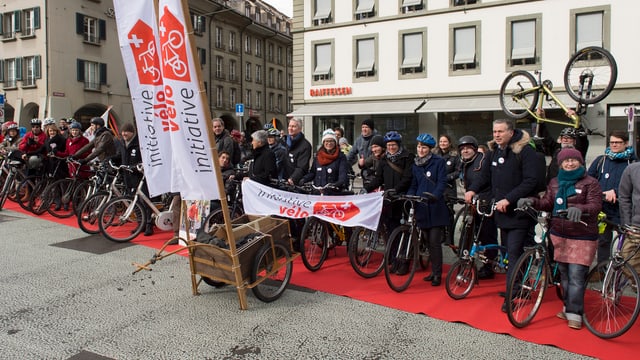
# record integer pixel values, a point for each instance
(481, 309)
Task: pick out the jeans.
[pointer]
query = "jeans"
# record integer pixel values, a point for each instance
(515, 240)
(604, 244)
(572, 279)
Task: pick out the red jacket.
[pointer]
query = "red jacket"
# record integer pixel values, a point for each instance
(73, 145)
(31, 149)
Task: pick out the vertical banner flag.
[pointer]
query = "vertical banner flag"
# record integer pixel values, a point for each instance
(171, 99)
(136, 21)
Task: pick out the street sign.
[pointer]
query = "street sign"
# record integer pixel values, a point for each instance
(239, 109)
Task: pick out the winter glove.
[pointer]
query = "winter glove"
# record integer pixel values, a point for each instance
(524, 202)
(31, 141)
(574, 214)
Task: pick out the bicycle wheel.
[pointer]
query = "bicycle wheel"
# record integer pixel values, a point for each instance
(40, 198)
(6, 189)
(13, 190)
(611, 299)
(82, 189)
(272, 270)
(400, 258)
(526, 288)
(314, 243)
(366, 251)
(59, 196)
(519, 92)
(590, 75)
(119, 223)
(461, 278)
(89, 211)
(24, 191)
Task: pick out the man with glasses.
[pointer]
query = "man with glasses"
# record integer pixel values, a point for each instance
(608, 170)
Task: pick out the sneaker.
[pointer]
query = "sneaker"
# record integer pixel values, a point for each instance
(575, 324)
(149, 230)
(561, 315)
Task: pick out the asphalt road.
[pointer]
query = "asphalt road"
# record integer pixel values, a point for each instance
(65, 296)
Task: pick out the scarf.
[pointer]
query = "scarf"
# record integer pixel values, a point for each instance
(394, 158)
(290, 140)
(420, 161)
(566, 187)
(324, 158)
(626, 154)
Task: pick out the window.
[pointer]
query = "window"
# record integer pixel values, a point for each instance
(92, 29)
(198, 22)
(247, 44)
(412, 53)
(280, 79)
(219, 96)
(232, 70)
(220, 68)
(247, 71)
(290, 104)
(323, 62)
(258, 15)
(289, 81)
(202, 55)
(364, 9)
(322, 11)
(11, 72)
(408, 6)
(259, 74)
(232, 41)
(464, 2)
(464, 50)
(365, 58)
(289, 57)
(271, 102)
(279, 103)
(30, 21)
(258, 100)
(258, 47)
(270, 77)
(247, 98)
(92, 74)
(10, 24)
(219, 43)
(524, 41)
(279, 55)
(247, 10)
(232, 98)
(270, 52)
(31, 70)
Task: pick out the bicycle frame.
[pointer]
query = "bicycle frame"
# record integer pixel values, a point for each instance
(545, 92)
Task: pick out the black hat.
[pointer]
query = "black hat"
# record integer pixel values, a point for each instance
(377, 140)
(368, 122)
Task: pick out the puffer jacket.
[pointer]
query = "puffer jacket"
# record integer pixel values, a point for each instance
(513, 176)
(588, 199)
(432, 178)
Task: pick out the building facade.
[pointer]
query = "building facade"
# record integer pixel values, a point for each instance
(437, 65)
(62, 59)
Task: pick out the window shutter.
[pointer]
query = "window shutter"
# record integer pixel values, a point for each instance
(36, 67)
(1, 71)
(103, 73)
(16, 25)
(18, 68)
(79, 23)
(102, 28)
(1, 26)
(36, 18)
(80, 70)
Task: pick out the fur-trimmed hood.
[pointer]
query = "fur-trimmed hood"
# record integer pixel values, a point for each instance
(518, 141)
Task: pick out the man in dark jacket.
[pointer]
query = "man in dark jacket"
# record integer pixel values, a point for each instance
(224, 141)
(103, 143)
(513, 176)
(299, 151)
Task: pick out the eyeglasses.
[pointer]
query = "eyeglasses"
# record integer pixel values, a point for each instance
(616, 142)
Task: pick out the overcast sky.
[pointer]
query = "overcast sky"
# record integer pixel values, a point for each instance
(284, 6)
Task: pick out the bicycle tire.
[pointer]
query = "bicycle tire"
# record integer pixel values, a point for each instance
(526, 288)
(611, 309)
(596, 63)
(114, 226)
(215, 284)
(90, 210)
(24, 191)
(81, 191)
(366, 251)
(461, 278)
(397, 256)
(314, 243)
(39, 200)
(19, 176)
(4, 191)
(518, 93)
(59, 190)
(269, 286)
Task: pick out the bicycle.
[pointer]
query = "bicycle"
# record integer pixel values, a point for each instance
(589, 77)
(407, 247)
(123, 218)
(463, 274)
(612, 299)
(533, 273)
(90, 209)
(9, 185)
(234, 202)
(319, 236)
(62, 197)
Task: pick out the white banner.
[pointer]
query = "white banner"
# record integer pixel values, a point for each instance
(139, 46)
(355, 210)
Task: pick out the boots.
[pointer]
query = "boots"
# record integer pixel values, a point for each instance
(148, 231)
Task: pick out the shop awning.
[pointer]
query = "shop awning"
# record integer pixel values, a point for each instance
(476, 103)
(358, 108)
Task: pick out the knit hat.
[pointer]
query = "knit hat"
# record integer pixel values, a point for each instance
(378, 140)
(368, 122)
(343, 141)
(329, 135)
(570, 153)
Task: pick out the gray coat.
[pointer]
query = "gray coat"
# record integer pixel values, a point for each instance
(629, 194)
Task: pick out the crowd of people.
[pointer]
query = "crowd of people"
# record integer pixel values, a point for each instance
(505, 170)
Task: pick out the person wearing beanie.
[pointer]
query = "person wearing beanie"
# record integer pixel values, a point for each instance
(361, 148)
(566, 139)
(345, 147)
(575, 199)
(329, 166)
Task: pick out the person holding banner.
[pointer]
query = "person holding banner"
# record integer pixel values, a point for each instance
(430, 176)
(329, 166)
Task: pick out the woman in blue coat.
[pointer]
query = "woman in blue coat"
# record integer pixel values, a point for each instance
(430, 175)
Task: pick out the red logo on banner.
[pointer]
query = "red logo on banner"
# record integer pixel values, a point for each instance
(338, 210)
(175, 64)
(145, 53)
